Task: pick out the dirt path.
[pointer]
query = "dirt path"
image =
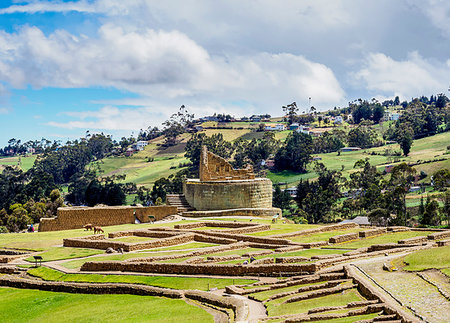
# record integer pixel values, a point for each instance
(410, 289)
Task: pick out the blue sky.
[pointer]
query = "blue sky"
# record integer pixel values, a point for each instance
(118, 66)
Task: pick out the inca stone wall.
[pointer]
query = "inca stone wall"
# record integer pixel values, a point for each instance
(76, 217)
(216, 168)
(222, 195)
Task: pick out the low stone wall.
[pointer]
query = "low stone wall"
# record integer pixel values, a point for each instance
(200, 269)
(242, 237)
(309, 245)
(287, 260)
(76, 217)
(344, 237)
(439, 235)
(333, 227)
(220, 224)
(443, 243)
(414, 240)
(237, 305)
(371, 233)
(258, 212)
(289, 248)
(398, 229)
(88, 288)
(87, 242)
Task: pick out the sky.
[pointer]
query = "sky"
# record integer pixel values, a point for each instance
(117, 66)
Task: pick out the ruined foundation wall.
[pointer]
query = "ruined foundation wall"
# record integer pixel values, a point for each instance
(232, 194)
(76, 217)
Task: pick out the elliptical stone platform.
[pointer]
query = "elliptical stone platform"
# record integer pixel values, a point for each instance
(220, 187)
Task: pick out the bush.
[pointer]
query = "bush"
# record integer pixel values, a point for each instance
(3, 229)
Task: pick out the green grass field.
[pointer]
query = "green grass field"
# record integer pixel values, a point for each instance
(385, 238)
(322, 236)
(60, 253)
(20, 305)
(40, 241)
(25, 163)
(276, 307)
(159, 281)
(438, 258)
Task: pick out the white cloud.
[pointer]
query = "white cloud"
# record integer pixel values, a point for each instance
(111, 118)
(438, 11)
(408, 78)
(160, 64)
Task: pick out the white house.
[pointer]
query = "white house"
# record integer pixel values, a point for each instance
(274, 127)
(140, 145)
(338, 119)
(304, 130)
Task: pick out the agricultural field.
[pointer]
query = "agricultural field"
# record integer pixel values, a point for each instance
(23, 162)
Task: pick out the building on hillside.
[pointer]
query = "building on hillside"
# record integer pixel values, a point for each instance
(269, 163)
(338, 120)
(293, 126)
(129, 152)
(255, 118)
(292, 191)
(347, 149)
(140, 145)
(388, 168)
(304, 129)
(275, 127)
(413, 189)
(390, 116)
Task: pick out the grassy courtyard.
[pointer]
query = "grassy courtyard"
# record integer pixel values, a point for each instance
(21, 305)
(159, 281)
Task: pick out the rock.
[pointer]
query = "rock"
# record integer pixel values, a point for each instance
(110, 250)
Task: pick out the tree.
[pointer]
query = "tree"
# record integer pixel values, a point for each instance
(398, 186)
(18, 220)
(441, 179)
(404, 136)
(317, 198)
(291, 111)
(431, 213)
(295, 154)
(176, 125)
(361, 136)
(379, 217)
(281, 199)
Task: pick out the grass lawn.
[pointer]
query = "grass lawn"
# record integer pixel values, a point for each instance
(235, 252)
(132, 239)
(322, 236)
(40, 241)
(438, 258)
(287, 176)
(446, 271)
(351, 318)
(159, 281)
(60, 253)
(190, 245)
(275, 307)
(385, 238)
(23, 305)
(25, 163)
(309, 253)
(281, 228)
(261, 296)
(79, 262)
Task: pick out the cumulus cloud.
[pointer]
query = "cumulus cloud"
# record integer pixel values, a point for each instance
(111, 118)
(407, 78)
(160, 64)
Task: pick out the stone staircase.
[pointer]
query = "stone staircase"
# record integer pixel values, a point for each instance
(179, 201)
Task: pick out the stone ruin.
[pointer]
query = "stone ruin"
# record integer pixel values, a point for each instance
(221, 187)
(216, 168)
